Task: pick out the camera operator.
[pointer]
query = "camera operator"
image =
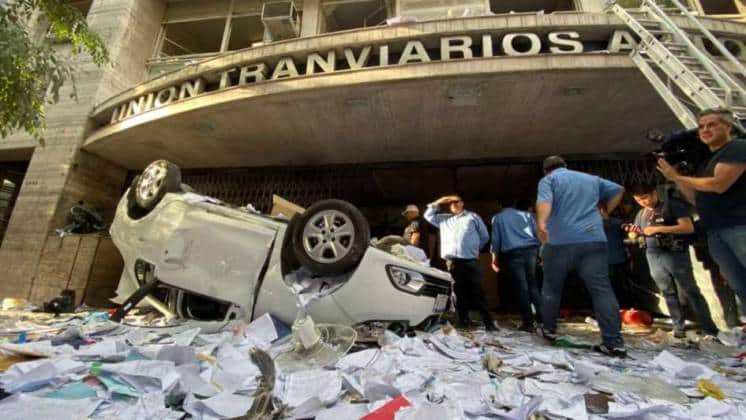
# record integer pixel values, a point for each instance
(719, 194)
(667, 227)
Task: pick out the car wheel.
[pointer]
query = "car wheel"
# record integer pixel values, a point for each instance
(330, 237)
(158, 178)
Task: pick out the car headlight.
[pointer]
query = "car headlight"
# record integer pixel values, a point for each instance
(406, 280)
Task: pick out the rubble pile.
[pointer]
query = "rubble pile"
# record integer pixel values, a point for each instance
(87, 366)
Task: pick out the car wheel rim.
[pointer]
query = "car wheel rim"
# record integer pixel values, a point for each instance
(328, 236)
(151, 181)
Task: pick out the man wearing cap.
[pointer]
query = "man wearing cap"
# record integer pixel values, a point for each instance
(571, 227)
(462, 235)
(416, 232)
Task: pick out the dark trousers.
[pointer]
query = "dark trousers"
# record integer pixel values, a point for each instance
(591, 261)
(672, 272)
(728, 249)
(521, 265)
(620, 276)
(467, 276)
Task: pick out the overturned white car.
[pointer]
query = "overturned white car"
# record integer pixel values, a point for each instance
(195, 257)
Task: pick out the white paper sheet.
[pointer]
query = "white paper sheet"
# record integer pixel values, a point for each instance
(145, 375)
(51, 370)
(262, 329)
(25, 407)
(298, 387)
(222, 405)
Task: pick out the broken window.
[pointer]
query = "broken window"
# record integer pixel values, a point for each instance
(245, 32)
(193, 37)
(720, 7)
(196, 27)
(340, 15)
(522, 6)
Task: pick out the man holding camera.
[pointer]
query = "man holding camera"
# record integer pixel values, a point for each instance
(719, 194)
(666, 226)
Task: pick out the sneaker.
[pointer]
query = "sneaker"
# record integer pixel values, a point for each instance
(549, 336)
(619, 352)
(679, 334)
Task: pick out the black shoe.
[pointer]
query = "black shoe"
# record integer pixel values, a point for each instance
(463, 324)
(679, 334)
(491, 326)
(527, 327)
(619, 352)
(549, 336)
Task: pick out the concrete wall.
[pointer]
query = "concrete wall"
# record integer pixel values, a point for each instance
(59, 173)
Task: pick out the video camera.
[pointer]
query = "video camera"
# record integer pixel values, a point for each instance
(682, 149)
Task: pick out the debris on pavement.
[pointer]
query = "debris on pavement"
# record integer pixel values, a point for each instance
(78, 365)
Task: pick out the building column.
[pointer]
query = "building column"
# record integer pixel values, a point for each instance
(60, 174)
(311, 18)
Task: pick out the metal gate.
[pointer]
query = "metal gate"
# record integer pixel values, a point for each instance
(359, 184)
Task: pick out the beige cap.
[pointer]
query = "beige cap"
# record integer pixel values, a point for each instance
(409, 208)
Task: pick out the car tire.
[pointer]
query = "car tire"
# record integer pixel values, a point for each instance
(330, 237)
(134, 211)
(157, 179)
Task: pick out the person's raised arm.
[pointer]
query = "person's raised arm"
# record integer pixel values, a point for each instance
(431, 212)
(723, 177)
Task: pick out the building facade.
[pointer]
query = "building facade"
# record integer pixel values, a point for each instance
(381, 102)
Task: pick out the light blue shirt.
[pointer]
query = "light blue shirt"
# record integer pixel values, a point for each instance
(461, 236)
(574, 197)
(513, 229)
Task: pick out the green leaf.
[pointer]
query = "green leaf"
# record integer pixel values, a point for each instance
(31, 72)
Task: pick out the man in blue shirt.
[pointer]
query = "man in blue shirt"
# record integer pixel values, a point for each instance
(570, 225)
(462, 235)
(514, 237)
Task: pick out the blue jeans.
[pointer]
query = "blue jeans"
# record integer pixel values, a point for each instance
(672, 273)
(591, 261)
(728, 249)
(521, 264)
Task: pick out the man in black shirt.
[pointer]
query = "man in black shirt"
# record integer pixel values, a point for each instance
(665, 222)
(719, 194)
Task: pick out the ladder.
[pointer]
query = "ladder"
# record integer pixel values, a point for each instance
(675, 65)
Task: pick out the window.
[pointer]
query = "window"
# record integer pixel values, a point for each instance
(521, 6)
(193, 37)
(719, 7)
(245, 32)
(198, 27)
(345, 14)
(442, 9)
